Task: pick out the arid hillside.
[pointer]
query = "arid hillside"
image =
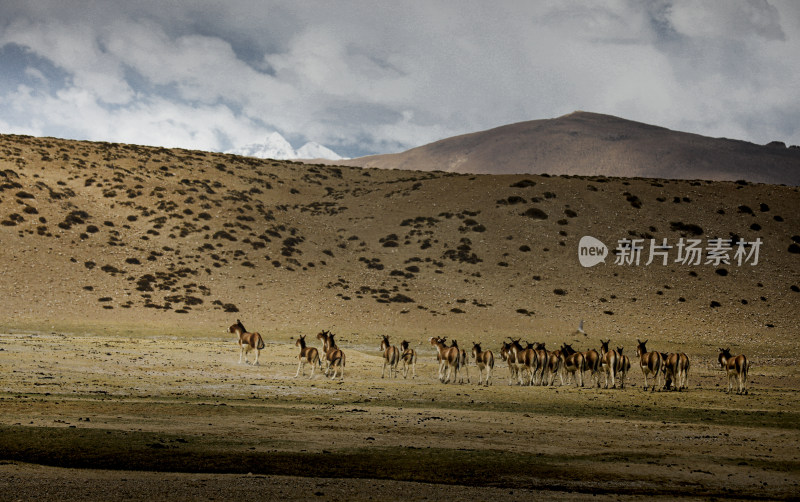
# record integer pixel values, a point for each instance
(97, 234)
(592, 144)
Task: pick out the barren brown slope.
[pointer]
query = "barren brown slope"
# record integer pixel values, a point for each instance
(172, 240)
(592, 144)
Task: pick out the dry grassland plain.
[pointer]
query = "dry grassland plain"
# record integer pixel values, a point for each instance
(125, 265)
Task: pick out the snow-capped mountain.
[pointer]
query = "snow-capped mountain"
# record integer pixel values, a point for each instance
(313, 150)
(276, 147)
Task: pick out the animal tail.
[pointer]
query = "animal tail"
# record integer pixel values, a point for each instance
(260, 342)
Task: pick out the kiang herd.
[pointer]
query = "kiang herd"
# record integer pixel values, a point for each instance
(531, 364)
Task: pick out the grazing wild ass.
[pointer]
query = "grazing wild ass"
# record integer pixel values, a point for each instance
(391, 357)
(409, 358)
(574, 363)
(448, 359)
(333, 355)
(484, 360)
(676, 370)
(736, 368)
(608, 362)
(307, 355)
(623, 366)
(650, 362)
(247, 341)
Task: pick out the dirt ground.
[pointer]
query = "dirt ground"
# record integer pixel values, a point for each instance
(93, 417)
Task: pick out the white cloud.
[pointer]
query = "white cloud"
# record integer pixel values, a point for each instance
(727, 20)
(362, 77)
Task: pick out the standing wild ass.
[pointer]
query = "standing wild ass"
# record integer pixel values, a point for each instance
(574, 363)
(448, 359)
(623, 366)
(463, 361)
(736, 368)
(608, 362)
(247, 341)
(542, 357)
(526, 361)
(554, 366)
(484, 360)
(511, 360)
(333, 355)
(409, 358)
(592, 358)
(391, 357)
(650, 362)
(307, 355)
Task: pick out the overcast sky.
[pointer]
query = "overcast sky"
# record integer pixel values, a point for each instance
(366, 77)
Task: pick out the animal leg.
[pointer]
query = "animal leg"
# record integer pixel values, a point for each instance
(299, 368)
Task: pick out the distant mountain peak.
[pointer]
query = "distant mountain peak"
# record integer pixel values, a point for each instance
(313, 150)
(595, 144)
(275, 146)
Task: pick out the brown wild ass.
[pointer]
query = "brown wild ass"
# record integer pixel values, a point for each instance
(592, 358)
(608, 362)
(623, 366)
(307, 355)
(650, 362)
(554, 366)
(463, 360)
(574, 363)
(391, 356)
(542, 357)
(683, 367)
(736, 368)
(526, 361)
(676, 370)
(333, 355)
(247, 341)
(511, 360)
(409, 358)
(448, 359)
(484, 360)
